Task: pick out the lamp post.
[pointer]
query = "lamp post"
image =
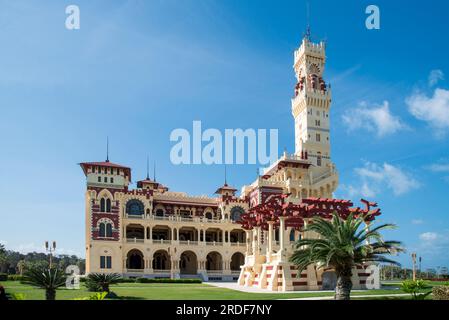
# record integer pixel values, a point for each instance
(420, 260)
(50, 250)
(414, 265)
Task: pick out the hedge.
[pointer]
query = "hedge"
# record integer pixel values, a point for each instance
(152, 280)
(15, 277)
(440, 293)
(166, 280)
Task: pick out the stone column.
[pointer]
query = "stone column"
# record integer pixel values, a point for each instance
(270, 240)
(281, 237)
(223, 235)
(177, 234)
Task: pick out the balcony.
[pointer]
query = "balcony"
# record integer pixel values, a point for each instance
(135, 240)
(188, 243)
(134, 270)
(214, 243)
(161, 271)
(214, 272)
(134, 216)
(238, 244)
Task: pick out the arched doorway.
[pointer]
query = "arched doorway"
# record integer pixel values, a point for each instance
(161, 260)
(237, 260)
(188, 263)
(214, 261)
(134, 260)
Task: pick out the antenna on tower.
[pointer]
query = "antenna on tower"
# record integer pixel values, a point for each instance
(308, 33)
(225, 176)
(154, 171)
(148, 167)
(107, 149)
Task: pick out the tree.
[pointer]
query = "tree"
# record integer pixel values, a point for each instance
(415, 288)
(48, 279)
(342, 246)
(101, 281)
(21, 265)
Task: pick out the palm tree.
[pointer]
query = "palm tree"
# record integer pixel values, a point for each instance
(101, 281)
(21, 265)
(48, 279)
(342, 246)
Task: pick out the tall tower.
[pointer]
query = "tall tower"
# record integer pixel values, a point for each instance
(311, 105)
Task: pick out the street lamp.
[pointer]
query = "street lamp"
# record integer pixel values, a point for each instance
(414, 265)
(50, 249)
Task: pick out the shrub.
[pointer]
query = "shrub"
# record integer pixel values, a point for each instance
(48, 279)
(15, 277)
(95, 296)
(127, 280)
(3, 277)
(100, 281)
(440, 293)
(415, 288)
(167, 280)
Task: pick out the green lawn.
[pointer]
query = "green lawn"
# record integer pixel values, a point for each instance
(168, 291)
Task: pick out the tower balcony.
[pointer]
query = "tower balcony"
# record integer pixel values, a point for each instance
(312, 93)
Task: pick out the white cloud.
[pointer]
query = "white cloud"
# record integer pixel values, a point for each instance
(394, 178)
(433, 110)
(439, 167)
(428, 236)
(435, 76)
(376, 118)
(417, 221)
(375, 178)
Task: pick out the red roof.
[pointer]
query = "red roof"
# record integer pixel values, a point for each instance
(108, 164)
(146, 181)
(225, 187)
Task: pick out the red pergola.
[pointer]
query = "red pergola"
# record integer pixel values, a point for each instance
(278, 206)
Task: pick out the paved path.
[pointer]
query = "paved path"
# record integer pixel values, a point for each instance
(354, 296)
(235, 286)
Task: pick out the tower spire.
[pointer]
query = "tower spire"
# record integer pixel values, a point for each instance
(148, 167)
(107, 149)
(154, 171)
(308, 33)
(225, 176)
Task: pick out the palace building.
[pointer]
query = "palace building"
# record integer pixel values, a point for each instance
(150, 231)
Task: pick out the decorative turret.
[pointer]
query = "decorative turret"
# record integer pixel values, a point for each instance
(106, 174)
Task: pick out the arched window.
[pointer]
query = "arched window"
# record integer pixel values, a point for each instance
(109, 230)
(102, 232)
(135, 207)
(209, 215)
(102, 205)
(159, 212)
(318, 159)
(108, 205)
(236, 212)
(292, 235)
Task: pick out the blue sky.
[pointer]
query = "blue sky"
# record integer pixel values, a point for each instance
(136, 70)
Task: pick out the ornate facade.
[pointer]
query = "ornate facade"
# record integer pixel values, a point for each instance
(152, 232)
